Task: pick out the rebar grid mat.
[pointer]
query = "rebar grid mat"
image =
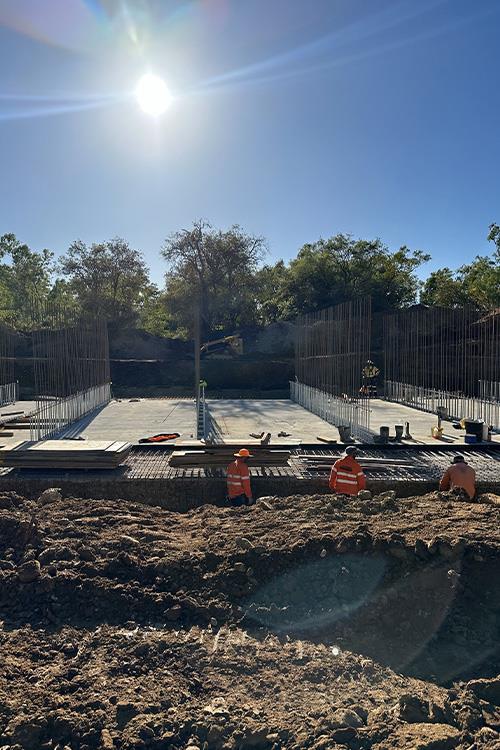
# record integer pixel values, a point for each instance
(422, 464)
(71, 366)
(448, 357)
(418, 464)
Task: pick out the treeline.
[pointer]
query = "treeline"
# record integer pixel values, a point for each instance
(223, 274)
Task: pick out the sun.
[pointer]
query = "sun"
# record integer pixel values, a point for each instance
(152, 94)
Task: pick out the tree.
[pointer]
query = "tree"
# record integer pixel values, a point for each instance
(274, 301)
(328, 272)
(109, 278)
(494, 236)
(444, 288)
(24, 280)
(215, 271)
(476, 283)
(155, 317)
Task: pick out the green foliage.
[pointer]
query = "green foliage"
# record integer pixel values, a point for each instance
(155, 317)
(24, 279)
(338, 269)
(109, 278)
(215, 271)
(220, 273)
(476, 283)
(444, 289)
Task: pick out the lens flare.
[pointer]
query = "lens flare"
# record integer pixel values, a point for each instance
(153, 95)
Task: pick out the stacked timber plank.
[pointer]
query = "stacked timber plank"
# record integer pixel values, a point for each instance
(66, 454)
(225, 454)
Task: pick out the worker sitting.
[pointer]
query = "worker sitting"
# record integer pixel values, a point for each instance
(238, 480)
(347, 476)
(459, 477)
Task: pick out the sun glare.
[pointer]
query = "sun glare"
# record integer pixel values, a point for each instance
(152, 94)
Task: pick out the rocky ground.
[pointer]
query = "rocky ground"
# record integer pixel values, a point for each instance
(302, 622)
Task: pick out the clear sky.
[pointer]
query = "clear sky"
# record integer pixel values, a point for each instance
(293, 118)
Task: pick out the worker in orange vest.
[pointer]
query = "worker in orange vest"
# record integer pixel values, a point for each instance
(238, 480)
(459, 476)
(347, 476)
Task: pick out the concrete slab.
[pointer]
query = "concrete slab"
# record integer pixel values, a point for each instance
(237, 418)
(421, 422)
(7, 415)
(133, 420)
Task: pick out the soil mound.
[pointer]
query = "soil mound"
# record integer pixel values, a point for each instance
(301, 622)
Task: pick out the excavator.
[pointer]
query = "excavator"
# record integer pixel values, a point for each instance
(231, 346)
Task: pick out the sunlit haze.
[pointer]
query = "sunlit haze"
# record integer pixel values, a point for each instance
(152, 94)
(295, 120)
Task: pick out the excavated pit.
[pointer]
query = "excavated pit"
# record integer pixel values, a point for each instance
(324, 602)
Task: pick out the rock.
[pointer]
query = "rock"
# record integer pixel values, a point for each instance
(387, 497)
(52, 495)
(129, 541)
(324, 742)
(424, 737)
(25, 732)
(106, 740)
(243, 542)
(146, 733)
(173, 613)
(29, 572)
(86, 554)
(487, 690)
(344, 717)
(364, 495)
(412, 709)
(125, 711)
(55, 553)
(487, 735)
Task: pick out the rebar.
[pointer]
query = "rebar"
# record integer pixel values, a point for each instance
(332, 347)
(71, 367)
(9, 388)
(444, 357)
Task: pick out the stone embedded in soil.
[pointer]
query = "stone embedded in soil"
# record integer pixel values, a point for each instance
(412, 709)
(244, 543)
(421, 737)
(487, 690)
(364, 495)
(29, 571)
(345, 718)
(51, 495)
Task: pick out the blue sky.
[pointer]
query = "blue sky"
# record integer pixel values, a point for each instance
(293, 118)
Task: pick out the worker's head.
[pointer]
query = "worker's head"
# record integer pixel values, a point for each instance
(458, 460)
(351, 450)
(243, 454)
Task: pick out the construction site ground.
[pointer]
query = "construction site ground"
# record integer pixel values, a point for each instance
(233, 419)
(320, 622)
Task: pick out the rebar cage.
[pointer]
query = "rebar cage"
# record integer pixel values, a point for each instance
(444, 357)
(332, 348)
(71, 367)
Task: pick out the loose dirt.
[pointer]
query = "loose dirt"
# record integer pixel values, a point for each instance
(302, 622)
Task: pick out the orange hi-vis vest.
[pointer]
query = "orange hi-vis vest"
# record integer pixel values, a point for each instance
(347, 476)
(238, 479)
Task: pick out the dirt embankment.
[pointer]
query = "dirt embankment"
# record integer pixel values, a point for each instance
(312, 622)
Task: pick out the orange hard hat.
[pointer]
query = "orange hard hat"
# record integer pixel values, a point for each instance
(243, 453)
